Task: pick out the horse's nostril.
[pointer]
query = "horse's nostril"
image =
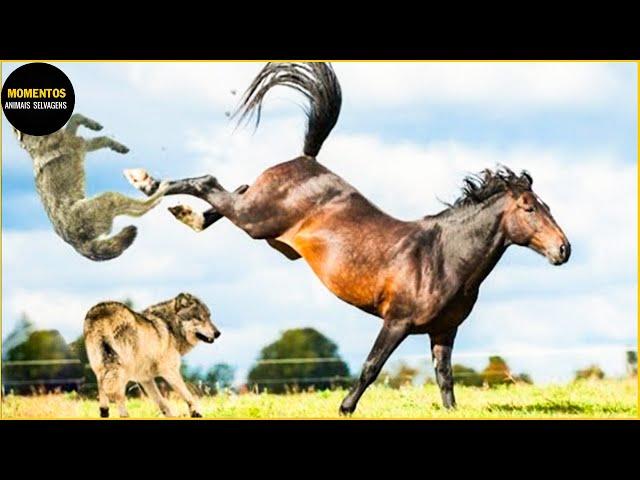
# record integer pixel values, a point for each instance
(565, 251)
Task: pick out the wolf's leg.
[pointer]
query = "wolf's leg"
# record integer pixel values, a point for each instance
(121, 401)
(103, 401)
(105, 142)
(177, 383)
(152, 391)
(77, 120)
(114, 383)
(119, 204)
(98, 212)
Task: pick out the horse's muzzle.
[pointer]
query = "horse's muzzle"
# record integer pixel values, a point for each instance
(562, 254)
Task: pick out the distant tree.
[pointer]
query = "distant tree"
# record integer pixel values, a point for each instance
(41, 345)
(23, 328)
(632, 363)
(191, 374)
(299, 343)
(497, 372)
(523, 378)
(220, 376)
(467, 376)
(79, 349)
(592, 372)
(402, 375)
(217, 377)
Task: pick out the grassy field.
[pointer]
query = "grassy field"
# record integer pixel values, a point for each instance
(594, 399)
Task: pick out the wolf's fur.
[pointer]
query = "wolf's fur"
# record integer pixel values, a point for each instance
(58, 165)
(124, 346)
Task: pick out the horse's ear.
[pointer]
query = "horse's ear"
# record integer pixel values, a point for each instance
(526, 176)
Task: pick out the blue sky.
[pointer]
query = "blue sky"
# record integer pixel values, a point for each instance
(407, 135)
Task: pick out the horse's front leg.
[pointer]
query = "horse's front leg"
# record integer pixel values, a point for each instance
(391, 335)
(441, 348)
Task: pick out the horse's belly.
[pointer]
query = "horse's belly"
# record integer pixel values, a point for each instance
(339, 270)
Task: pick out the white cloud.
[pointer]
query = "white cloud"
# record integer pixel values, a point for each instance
(507, 87)
(211, 82)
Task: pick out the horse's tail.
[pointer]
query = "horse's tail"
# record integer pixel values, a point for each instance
(108, 248)
(316, 81)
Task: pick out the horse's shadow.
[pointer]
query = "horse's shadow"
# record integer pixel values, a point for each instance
(548, 408)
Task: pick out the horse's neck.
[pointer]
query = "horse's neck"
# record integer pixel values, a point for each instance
(473, 241)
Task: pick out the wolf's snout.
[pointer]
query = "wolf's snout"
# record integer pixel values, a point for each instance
(216, 334)
(205, 338)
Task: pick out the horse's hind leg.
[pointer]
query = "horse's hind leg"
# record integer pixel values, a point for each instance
(199, 187)
(391, 335)
(441, 348)
(77, 120)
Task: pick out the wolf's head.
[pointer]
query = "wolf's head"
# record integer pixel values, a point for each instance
(194, 319)
(26, 141)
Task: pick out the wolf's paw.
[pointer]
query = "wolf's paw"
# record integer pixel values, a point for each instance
(118, 147)
(93, 125)
(186, 215)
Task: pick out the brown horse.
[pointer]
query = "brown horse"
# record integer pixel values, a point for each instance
(418, 276)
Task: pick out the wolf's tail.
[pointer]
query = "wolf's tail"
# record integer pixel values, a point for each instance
(108, 248)
(99, 342)
(316, 81)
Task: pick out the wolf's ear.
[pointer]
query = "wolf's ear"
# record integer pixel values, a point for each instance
(183, 301)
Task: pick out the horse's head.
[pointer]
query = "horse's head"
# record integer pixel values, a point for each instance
(528, 222)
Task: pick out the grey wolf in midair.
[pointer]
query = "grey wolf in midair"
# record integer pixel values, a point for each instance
(84, 223)
(123, 345)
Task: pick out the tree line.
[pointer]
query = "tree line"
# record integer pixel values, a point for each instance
(300, 359)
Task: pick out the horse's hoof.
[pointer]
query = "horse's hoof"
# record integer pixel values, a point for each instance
(346, 411)
(186, 215)
(138, 177)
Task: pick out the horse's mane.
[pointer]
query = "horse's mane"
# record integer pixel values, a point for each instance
(479, 187)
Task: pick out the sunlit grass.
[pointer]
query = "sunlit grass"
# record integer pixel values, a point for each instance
(593, 399)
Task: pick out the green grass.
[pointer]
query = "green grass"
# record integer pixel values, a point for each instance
(592, 399)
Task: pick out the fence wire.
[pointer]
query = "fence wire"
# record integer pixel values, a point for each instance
(315, 360)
